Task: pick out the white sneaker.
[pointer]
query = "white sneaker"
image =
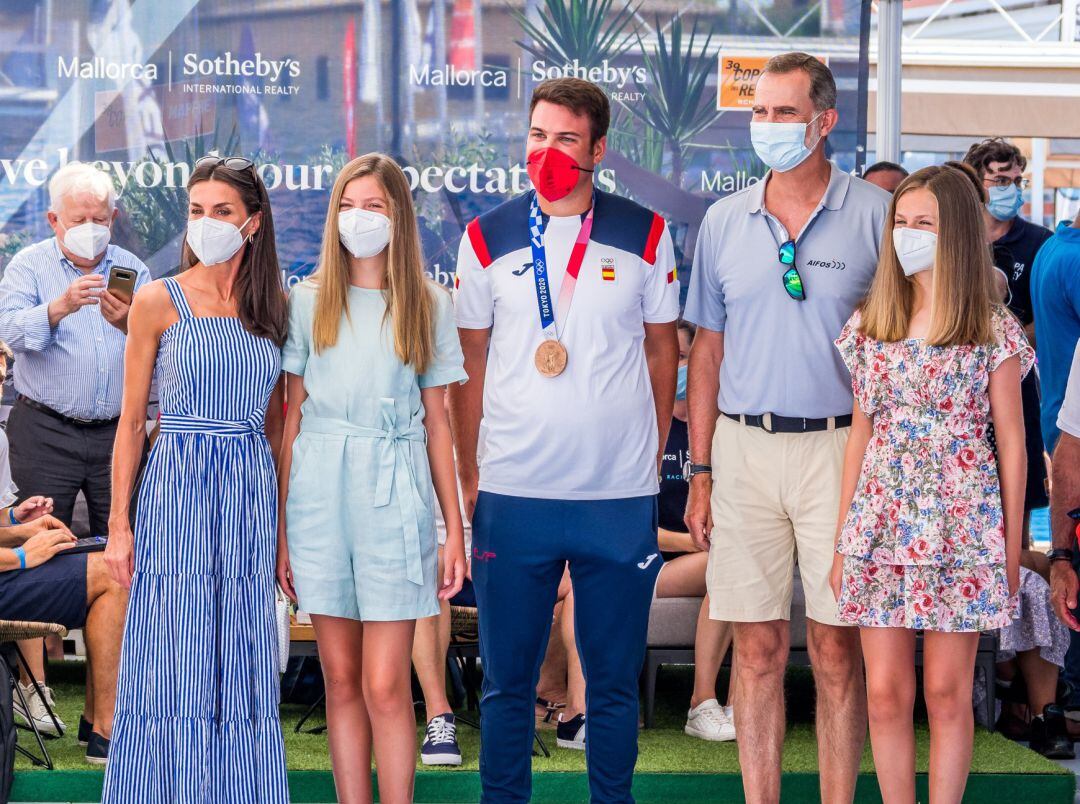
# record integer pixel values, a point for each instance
(730, 712)
(37, 712)
(571, 733)
(708, 721)
(440, 742)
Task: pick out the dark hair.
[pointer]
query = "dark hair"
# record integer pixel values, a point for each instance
(690, 329)
(579, 96)
(822, 83)
(995, 149)
(881, 167)
(263, 308)
(973, 177)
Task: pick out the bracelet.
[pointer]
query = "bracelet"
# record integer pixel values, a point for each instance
(1060, 554)
(21, 553)
(11, 516)
(700, 469)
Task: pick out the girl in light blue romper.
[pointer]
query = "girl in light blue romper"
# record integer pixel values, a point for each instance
(366, 437)
(361, 527)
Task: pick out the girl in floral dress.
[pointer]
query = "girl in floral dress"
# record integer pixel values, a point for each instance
(930, 522)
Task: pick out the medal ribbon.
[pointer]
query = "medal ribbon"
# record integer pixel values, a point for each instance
(540, 272)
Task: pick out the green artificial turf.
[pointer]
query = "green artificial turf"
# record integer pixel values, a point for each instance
(664, 749)
(435, 787)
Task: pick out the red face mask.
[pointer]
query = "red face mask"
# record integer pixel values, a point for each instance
(554, 173)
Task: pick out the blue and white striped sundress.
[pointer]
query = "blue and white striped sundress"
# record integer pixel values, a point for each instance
(197, 701)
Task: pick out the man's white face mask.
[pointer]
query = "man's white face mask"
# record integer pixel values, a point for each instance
(87, 240)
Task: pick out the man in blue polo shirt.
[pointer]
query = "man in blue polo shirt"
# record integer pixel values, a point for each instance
(576, 403)
(1055, 297)
(779, 269)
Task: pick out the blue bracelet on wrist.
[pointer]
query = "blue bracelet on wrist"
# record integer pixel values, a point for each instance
(21, 553)
(11, 516)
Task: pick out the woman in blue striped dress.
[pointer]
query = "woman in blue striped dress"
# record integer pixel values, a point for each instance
(197, 700)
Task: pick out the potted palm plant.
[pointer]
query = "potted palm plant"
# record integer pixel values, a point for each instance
(585, 31)
(675, 102)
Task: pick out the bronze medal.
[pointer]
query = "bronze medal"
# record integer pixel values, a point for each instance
(550, 358)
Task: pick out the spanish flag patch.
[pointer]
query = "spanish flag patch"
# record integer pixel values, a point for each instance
(672, 275)
(607, 269)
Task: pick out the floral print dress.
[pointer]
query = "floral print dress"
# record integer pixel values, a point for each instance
(924, 539)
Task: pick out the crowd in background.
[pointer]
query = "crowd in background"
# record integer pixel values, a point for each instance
(850, 401)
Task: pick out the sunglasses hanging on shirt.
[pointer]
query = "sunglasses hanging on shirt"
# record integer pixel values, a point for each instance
(792, 280)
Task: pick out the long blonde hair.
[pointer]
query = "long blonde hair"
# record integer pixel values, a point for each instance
(409, 300)
(963, 305)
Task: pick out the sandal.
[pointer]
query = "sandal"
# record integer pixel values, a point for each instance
(551, 709)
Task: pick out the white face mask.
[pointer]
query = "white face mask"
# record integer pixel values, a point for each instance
(214, 241)
(363, 232)
(87, 240)
(915, 248)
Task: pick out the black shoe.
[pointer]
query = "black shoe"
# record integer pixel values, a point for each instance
(97, 749)
(85, 729)
(1048, 734)
(571, 733)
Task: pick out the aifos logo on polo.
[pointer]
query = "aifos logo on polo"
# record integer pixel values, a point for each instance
(836, 265)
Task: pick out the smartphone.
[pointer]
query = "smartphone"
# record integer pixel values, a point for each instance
(122, 284)
(91, 544)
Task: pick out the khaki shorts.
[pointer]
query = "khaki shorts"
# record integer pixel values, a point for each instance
(775, 497)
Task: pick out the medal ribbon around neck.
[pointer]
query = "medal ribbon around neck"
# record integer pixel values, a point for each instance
(540, 272)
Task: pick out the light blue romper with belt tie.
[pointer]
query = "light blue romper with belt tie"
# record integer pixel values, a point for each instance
(359, 514)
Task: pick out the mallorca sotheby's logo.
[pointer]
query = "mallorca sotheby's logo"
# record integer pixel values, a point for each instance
(603, 73)
(194, 67)
(229, 66)
(451, 76)
(274, 71)
(614, 78)
(99, 68)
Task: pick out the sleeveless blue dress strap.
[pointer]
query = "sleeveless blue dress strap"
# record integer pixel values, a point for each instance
(179, 300)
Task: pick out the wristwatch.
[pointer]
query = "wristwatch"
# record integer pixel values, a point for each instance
(1060, 554)
(700, 469)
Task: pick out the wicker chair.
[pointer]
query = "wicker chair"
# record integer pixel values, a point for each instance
(12, 631)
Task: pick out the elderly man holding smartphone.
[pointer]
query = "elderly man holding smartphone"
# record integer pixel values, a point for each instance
(63, 311)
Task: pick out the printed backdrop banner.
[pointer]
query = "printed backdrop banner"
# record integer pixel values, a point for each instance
(143, 88)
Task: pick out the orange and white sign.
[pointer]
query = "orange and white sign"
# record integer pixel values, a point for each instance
(739, 73)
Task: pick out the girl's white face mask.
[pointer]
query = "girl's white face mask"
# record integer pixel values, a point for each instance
(214, 241)
(916, 249)
(363, 232)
